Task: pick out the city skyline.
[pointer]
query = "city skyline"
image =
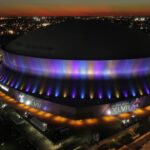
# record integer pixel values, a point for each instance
(72, 8)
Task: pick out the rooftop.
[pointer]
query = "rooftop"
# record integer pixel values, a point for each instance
(86, 40)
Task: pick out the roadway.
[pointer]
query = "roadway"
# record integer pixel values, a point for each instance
(34, 136)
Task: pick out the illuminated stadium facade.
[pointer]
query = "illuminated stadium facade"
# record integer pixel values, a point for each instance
(78, 72)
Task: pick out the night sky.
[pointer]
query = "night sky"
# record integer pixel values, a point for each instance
(74, 7)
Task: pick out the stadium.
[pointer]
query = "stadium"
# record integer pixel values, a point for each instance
(78, 73)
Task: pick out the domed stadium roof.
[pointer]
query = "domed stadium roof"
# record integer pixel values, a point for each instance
(86, 40)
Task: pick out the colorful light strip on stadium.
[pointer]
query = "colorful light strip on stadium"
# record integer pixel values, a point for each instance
(86, 69)
(97, 90)
(139, 112)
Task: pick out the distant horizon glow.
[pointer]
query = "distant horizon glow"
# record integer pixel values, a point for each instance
(74, 8)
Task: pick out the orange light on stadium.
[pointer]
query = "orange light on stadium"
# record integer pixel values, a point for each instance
(2, 94)
(72, 122)
(91, 121)
(41, 91)
(21, 105)
(147, 108)
(138, 112)
(33, 110)
(26, 107)
(79, 122)
(109, 118)
(11, 99)
(117, 94)
(65, 94)
(7, 97)
(60, 119)
(40, 113)
(140, 92)
(91, 95)
(8, 82)
(47, 115)
(124, 115)
(21, 88)
(76, 122)
(90, 72)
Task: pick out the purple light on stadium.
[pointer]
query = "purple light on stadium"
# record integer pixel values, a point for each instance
(146, 89)
(73, 93)
(45, 108)
(48, 91)
(125, 94)
(78, 68)
(100, 95)
(2, 79)
(5, 79)
(2, 75)
(28, 87)
(12, 83)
